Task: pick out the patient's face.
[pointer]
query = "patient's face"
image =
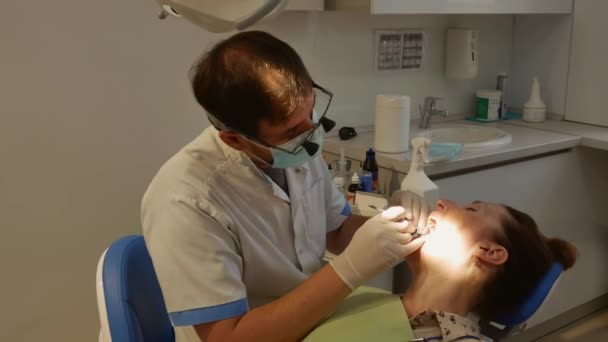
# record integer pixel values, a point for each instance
(456, 231)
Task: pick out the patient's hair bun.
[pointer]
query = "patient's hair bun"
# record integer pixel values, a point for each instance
(562, 251)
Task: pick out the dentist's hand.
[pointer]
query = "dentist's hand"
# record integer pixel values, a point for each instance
(417, 209)
(382, 242)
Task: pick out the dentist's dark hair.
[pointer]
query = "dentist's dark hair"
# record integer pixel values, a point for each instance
(530, 257)
(250, 77)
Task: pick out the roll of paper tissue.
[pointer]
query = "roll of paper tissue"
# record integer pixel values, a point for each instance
(392, 134)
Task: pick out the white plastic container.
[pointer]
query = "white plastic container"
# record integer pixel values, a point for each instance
(488, 104)
(392, 130)
(534, 109)
(416, 180)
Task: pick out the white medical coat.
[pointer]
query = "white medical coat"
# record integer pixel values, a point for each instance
(224, 237)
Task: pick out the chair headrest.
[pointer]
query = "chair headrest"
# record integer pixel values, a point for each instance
(534, 300)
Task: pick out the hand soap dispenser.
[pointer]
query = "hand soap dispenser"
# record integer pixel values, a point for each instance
(416, 180)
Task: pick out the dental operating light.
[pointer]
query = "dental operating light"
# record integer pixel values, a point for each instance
(221, 15)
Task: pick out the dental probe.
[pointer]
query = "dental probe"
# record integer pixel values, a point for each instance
(415, 235)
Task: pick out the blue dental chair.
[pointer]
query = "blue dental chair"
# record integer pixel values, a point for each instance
(132, 308)
(515, 321)
(130, 302)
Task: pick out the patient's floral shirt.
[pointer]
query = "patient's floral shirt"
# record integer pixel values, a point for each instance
(450, 327)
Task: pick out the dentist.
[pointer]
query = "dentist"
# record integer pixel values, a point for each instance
(237, 222)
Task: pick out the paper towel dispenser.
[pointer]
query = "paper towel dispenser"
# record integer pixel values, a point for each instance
(221, 15)
(462, 56)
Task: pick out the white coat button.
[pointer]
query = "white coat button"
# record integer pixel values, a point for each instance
(298, 170)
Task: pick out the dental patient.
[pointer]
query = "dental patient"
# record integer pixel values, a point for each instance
(478, 261)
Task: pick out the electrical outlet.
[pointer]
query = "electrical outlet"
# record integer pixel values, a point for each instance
(401, 49)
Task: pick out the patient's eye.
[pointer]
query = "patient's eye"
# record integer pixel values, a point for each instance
(471, 209)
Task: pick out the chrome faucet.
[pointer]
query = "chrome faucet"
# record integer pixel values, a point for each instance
(429, 110)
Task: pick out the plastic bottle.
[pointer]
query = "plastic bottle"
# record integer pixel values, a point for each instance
(353, 188)
(416, 180)
(371, 165)
(501, 84)
(339, 183)
(366, 181)
(342, 169)
(534, 109)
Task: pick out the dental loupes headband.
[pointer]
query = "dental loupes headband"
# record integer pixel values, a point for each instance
(309, 146)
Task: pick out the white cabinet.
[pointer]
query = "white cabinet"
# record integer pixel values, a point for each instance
(585, 101)
(470, 6)
(305, 5)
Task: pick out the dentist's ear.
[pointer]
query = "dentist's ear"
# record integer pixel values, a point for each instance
(491, 253)
(234, 140)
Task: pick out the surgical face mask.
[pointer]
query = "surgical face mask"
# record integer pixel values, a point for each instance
(295, 152)
(440, 152)
(282, 159)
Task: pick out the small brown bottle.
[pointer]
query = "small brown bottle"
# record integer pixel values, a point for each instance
(353, 188)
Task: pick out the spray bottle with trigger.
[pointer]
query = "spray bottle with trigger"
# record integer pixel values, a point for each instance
(416, 180)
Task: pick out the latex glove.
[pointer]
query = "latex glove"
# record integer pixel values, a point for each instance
(417, 209)
(380, 243)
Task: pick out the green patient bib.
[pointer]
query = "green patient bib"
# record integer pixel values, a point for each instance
(368, 314)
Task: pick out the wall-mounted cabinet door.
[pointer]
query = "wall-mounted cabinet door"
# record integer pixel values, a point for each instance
(587, 89)
(470, 6)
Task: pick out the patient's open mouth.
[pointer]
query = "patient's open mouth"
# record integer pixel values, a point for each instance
(431, 224)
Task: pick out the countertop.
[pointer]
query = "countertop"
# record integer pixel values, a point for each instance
(527, 140)
(591, 136)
